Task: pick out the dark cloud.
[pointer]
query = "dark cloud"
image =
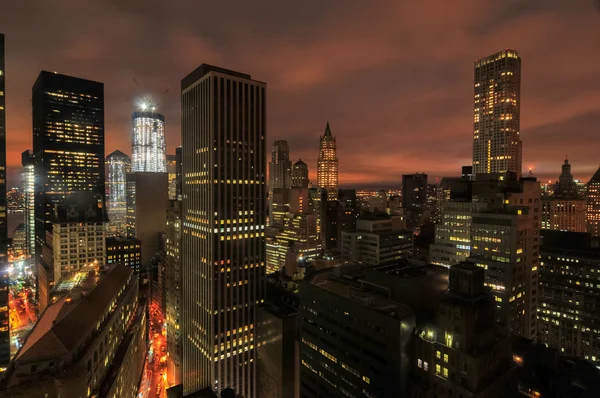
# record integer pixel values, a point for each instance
(394, 78)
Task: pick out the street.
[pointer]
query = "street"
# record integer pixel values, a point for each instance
(153, 383)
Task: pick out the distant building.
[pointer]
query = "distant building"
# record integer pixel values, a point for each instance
(414, 198)
(593, 204)
(280, 167)
(172, 176)
(565, 210)
(569, 294)
(497, 146)
(378, 203)
(27, 182)
(300, 175)
(91, 342)
(19, 240)
(148, 147)
(331, 223)
(379, 238)
(118, 165)
(350, 210)
(125, 251)
(327, 164)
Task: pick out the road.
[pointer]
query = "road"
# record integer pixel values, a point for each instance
(22, 319)
(154, 381)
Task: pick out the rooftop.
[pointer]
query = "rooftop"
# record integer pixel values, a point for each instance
(65, 323)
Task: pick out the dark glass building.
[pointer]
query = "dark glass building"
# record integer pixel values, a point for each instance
(68, 145)
(126, 251)
(4, 317)
(414, 198)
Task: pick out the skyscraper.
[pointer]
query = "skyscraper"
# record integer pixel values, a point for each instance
(566, 184)
(593, 204)
(280, 167)
(414, 198)
(172, 176)
(300, 175)
(27, 181)
(149, 148)
(327, 164)
(68, 145)
(496, 123)
(223, 217)
(119, 165)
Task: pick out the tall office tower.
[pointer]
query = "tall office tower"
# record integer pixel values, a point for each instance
(92, 342)
(148, 147)
(172, 176)
(414, 198)
(300, 175)
(379, 238)
(327, 164)
(118, 165)
(497, 146)
(464, 352)
(173, 293)
(223, 217)
(569, 295)
(68, 145)
(3, 210)
(280, 167)
(593, 204)
(27, 181)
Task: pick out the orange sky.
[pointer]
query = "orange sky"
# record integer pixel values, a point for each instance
(394, 78)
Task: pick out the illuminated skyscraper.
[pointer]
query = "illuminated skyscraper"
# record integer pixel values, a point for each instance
(593, 204)
(280, 167)
(27, 181)
(68, 145)
(4, 314)
(172, 176)
(327, 164)
(119, 165)
(223, 217)
(300, 175)
(149, 148)
(497, 143)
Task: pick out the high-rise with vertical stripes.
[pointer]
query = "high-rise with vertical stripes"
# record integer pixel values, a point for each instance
(497, 146)
(327, 164)
(4, 313)
(223, 217)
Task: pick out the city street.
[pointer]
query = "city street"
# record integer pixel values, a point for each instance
(154, 381)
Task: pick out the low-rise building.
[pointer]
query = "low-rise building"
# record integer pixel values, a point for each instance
(126, 251)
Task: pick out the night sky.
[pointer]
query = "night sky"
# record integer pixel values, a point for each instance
(394, 78)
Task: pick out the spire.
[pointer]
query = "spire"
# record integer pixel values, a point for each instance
(327, 131)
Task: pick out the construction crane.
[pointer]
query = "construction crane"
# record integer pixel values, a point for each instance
(147, 101)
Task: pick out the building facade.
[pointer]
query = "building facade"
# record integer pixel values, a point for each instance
(497, 146)
(327, 164)
(173, 293)
(125, 251)
(569, 295)
(3, 204)
(223, 218)
(280, 168)
(172, 176)
(68, 145)
(564, 214)
(91, 342)
(118, 165)
(593, 204)
(148, 146)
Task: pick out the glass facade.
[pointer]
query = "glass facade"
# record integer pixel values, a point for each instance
(119, 165)
(149, 148)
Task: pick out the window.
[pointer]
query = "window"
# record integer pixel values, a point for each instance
(445, 372)
(419, 363)
(425, 366)
(438, 355)
(446, 358)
